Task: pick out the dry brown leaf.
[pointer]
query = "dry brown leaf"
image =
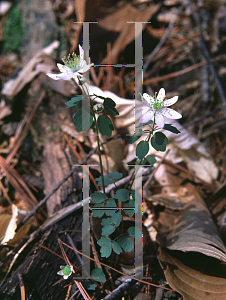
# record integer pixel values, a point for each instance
(184, 147)
(13, 86)
(190, 244)
(194, 276)
(189, 227)
(8, 225)
(117, 21)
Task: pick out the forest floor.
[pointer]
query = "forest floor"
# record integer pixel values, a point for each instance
(184, 195)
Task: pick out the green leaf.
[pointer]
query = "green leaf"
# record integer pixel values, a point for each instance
(110, 204)
(109, 106)
(110, 224)
(147, 123)
(125, 242)
(142, 149)
(105, 244)
(135, 232)
(107, 181)
(98, 213)
(106, 222)
(75, 100)
(116, 218)
(89, 285)
(135, 137)
(122, 195)
(117, 249)
(115, 175)
(98, 275)
(107, 230)
(150, 160)
(171, 128)
(105, 125)
(130, 204)
(98, 197)
(88, 120)
(159, 141)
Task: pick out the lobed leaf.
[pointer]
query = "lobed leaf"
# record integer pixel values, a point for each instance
(83, 124)
(74, 101)
(171, 128)
(115, 175)
(108, 229)
(89, 285)
(110, 204)
(125, 242)
(117, 249)
(98, 197)
(98, 275)
(122, 195)
(142, 149)
(105, 244)
(105, 125)
(159, 141)
(150, 160)
(98, 213)
(109, 106)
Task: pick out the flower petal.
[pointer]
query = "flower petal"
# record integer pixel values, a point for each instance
(60, 273)
(53, 76)
(64, 76)
(161, 94)
(147, 99)
(64, 69)
(159, 119)
(170, 113)
(81, 51)
(171, 101)
(85, 68)
(146, 116)
(65, 277)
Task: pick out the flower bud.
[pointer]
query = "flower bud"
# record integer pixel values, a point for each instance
(98, 108)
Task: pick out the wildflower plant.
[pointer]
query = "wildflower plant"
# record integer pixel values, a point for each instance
(65, 271)
(112, 209)
(73, 67)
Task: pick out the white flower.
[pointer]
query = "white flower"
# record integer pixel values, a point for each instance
(98, 108)
(65, 271)
(73, 66)
(159, 108)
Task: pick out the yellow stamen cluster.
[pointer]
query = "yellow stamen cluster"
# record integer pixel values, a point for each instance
(72, 61)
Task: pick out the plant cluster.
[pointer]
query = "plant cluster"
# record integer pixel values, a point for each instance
(96, 116)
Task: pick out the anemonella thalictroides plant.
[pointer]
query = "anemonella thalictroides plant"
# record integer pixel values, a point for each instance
(106, 207)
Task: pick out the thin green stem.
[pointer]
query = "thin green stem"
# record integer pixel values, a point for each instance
(148, 139)
(97, 131)
(99, 153)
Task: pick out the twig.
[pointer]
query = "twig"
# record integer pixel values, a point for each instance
(43, 201)
(203, 117)
(26, 128)
(181, 72)
(134, 278)
(208, 59)
(161, 42)
(17, 182)
(5, 192)
(80, 159)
